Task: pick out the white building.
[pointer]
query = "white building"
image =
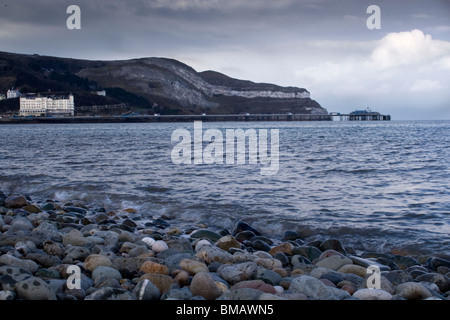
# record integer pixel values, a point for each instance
(11, 94)
(52, 105)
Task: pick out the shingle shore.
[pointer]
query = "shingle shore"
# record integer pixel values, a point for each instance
(120, 257)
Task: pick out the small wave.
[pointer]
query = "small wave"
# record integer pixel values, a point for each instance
(155, 189)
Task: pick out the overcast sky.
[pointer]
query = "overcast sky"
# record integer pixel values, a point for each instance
(325, 46)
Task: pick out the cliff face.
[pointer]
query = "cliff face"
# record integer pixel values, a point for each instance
(169, 85)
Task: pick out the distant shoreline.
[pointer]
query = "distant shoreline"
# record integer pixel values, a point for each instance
(169, 118)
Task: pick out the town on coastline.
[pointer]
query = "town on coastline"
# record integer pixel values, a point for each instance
(51, 107)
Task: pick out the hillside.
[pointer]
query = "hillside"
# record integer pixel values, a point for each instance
(149, 85)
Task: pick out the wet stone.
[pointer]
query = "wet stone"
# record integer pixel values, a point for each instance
(435, 262)
(367, 262)
(442, 281)
(206, 234)
(48, 206)
(282, 258)
(404, 262)
(15, 201)
(227, 242)
(260, 245)
(310, 252)
(244, 235)
(242, 226)
(75, 209)
(397, 277)
(290, 235)
(412, 291)
(262, 238)
(284, 247)
(333, 244)
(161, 223)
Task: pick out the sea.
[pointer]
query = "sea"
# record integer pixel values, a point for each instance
(380, 186)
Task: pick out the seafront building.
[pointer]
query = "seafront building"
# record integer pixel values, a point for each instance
(48, 105)
(12, 93)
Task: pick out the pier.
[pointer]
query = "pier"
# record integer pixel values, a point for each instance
(170, 118)
(360, 117)
(202, 117)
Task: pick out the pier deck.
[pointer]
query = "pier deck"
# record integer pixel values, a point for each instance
(204, 117)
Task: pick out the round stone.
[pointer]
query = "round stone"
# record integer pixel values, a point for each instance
(316, 289)
(372, 294)
(148, 241)
(34, 289)
(211, 254)
(161, 281)
(333, 244)
(242, 226)
(146, 290)
(154, 267)
(107, 272)
(160, 246)
(203, 284)
(237, 272)
(255, 284)
(290, 235)
(334, 262)
(94, 260)
(15, 201)
(284, 247)
(353, 268)
(412, 291)
(309, 252)
(75, 238)
(260, 245)
(206, 234)
(10, 260)
(228, 242)
(193, 266)
(442, 281)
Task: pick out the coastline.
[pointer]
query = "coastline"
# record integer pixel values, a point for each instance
(122, 258)
(168, 118)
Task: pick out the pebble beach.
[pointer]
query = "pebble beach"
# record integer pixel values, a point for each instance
(122, 256)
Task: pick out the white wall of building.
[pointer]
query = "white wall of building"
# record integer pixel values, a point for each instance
(11, 94)
(47, 105)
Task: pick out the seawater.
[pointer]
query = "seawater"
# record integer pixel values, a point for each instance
(376, 186)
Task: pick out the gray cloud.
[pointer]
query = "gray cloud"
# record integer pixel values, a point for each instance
(274, 41)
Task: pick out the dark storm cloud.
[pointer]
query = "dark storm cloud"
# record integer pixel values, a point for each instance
(205, 23)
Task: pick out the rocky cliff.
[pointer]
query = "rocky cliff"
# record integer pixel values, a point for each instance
(166, 85)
